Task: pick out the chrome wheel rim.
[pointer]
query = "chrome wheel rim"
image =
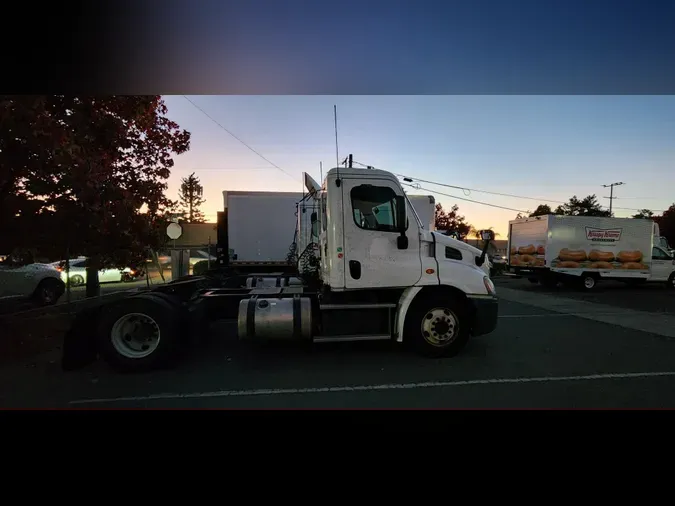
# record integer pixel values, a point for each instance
(135, 335)
(439, 327)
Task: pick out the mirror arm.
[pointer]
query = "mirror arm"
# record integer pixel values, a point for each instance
(481, 259)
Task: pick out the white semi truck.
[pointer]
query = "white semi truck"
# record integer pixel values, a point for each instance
(372, 272)
(583, 250)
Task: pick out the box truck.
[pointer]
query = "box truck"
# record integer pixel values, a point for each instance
(582, 250)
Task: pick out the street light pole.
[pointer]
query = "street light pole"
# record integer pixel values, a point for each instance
(611, 193)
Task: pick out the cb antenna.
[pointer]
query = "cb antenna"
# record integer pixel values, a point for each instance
(337, 152)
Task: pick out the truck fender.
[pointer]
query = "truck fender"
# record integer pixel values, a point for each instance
(404, 302)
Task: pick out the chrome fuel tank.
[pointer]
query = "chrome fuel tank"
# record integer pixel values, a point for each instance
(272, 318)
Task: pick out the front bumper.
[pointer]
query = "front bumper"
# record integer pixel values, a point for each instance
(485, 314)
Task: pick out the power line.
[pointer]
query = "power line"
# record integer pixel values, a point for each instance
(463, 188)
(237, 138)
(417, 187)
(472, 189)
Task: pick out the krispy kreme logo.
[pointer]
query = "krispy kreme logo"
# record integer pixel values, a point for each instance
(603, 234)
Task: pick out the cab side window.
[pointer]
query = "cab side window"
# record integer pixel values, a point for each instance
(374, 208)
(658, 254)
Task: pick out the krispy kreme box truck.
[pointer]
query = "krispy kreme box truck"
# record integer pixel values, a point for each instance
(582, 250)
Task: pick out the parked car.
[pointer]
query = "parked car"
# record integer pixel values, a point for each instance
(198, 256)
(40, 283)
(78, 273)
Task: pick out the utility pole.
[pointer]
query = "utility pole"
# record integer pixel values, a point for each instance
(611, 193)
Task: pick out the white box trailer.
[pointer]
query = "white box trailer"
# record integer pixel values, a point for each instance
(261, 225)
(425, 207)
(584, 249)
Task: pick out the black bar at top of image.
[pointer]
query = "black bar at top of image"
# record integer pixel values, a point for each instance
(375, 47)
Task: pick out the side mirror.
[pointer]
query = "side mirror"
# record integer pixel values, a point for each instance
(402, 241)
(487, 236)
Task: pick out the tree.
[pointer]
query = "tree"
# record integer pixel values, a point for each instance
(588, 206)
(190, 197)
(644, 214)
(541, 210)
(451, 222)
(666, 224)
(87, 176)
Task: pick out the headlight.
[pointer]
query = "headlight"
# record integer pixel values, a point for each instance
(489, 286)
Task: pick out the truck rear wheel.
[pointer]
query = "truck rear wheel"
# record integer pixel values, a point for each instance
(587, 282)
(140, 333)
(437, 326)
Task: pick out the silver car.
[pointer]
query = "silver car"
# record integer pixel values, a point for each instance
(78, 273)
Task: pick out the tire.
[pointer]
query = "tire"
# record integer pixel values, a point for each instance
(76, 280)
(48, 292)
(671, 281)
(158, 339)
(534, 281)
(588, 282)
(443, 310)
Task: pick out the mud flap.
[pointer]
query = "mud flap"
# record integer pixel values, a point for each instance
(79, 343)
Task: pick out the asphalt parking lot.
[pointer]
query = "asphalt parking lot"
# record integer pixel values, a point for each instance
(650, 297)
(537, 358)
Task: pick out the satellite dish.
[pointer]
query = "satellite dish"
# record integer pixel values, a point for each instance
(174, 230)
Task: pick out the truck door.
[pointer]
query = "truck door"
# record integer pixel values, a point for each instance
(372, 258)
(662, 265)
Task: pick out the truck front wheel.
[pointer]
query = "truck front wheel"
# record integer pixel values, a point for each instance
(140, 333)
(437, 326)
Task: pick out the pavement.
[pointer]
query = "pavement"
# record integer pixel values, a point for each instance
(550, 350)
(648, 297)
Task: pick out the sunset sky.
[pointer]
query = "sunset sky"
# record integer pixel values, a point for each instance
(541, 147)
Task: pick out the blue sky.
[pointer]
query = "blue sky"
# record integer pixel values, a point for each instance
(390, 67)
(549, 147)
(417, 46)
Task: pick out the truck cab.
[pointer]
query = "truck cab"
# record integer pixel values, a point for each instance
(372, 245)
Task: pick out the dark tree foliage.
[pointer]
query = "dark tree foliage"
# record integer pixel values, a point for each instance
(86, 175)
(452, 222)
